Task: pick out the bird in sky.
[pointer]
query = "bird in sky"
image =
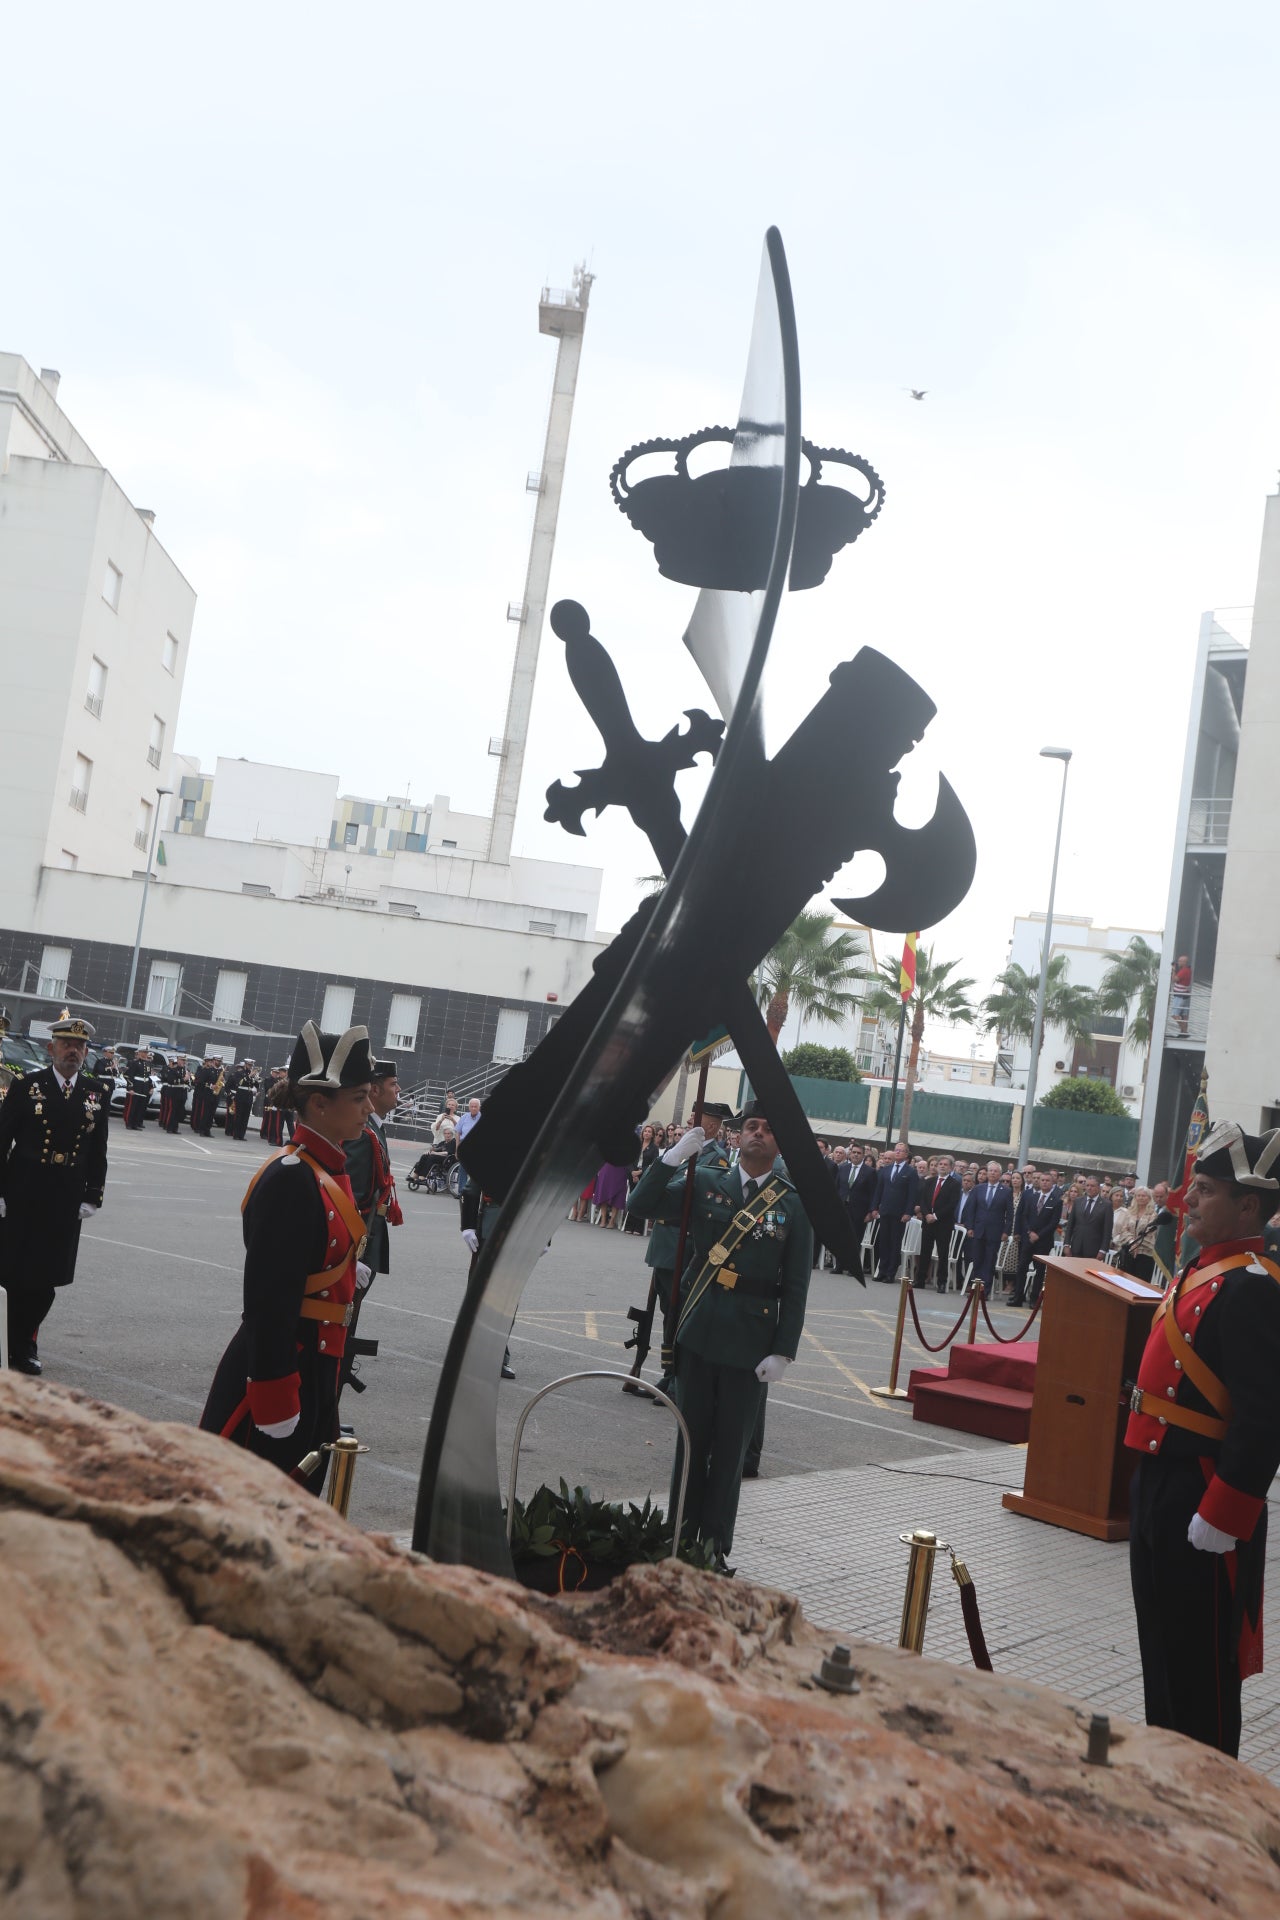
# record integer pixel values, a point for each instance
(917, 393)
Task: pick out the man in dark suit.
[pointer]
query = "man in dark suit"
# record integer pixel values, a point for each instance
(992, 1217)
(1089, 1223)
(860, 1192)
(896, 1199)
(1041, 1215)
(939, 1199)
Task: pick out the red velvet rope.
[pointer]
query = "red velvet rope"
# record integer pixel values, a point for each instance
(1011, 1339)
(964, 1315)
(973, 1627)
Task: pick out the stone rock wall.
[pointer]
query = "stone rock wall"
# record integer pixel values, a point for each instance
(218, 1700)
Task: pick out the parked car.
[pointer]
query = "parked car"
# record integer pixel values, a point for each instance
(21, 1055)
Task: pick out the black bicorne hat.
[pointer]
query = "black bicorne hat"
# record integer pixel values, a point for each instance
(329, 1061)
(1250, 1159)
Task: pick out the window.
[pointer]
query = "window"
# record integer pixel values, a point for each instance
(228, 995)
(69, 859)
(55, 965)
(163, 986)
(351, 834)
(111, 586)
(97, 687)
(142, 826)
(542, 926)
(80, 781)
(402, 906)
(169, 654)
(188, 810)
(402, 1026)
(155, 746)
(448, 846)
(335, 1015)
(258, 888)
(513, 1029)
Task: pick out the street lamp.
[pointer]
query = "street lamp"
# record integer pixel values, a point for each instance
(142, 910)
(1037, 1031)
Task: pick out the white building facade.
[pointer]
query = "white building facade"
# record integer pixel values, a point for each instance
(274, 898)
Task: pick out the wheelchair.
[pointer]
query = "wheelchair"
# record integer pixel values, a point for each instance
(438, 1172)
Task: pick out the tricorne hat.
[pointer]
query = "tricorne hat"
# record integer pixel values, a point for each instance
(384, 1070)
(1227, 1152)
(69, 1026)
(328, 1061)
(717, 1110)
(754, 1110)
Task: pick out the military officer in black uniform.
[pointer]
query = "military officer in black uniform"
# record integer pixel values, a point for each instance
(204, 1096)
(53, 1168)
(742, 1306)
(1205, 1422)
(139, 1088)
(241, 1087)
(174, 1081)
(374, 1189)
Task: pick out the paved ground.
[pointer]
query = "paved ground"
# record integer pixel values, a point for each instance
(158, 1294)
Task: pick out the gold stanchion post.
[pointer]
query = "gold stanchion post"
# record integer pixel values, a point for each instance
(344, 1453)
(975, 1290)
(893, 1391)
(924, 1544)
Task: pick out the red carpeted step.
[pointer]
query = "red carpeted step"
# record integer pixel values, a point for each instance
(1011, 1366)
(971, 1406)
(922, 1376)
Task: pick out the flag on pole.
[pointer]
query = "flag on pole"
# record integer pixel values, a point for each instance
(907, 968)
(1197, 1127)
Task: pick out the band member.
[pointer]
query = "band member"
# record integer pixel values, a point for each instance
(1205, 1420)
(241, 1088)
(53, 1168)
(139, 1086)
(272, 1126)
(374, 1188)
(479, 1217)
(276, 1387)
(174, 1082)
(207, 1086)
(742, 1306)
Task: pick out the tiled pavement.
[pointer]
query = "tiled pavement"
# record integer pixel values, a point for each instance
(1055, 1605)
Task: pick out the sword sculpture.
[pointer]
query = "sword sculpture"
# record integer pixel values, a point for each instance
(769, 835)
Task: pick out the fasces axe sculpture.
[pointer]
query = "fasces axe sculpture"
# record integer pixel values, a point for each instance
(768, 836)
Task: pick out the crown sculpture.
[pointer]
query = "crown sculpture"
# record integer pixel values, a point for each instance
(769, 835)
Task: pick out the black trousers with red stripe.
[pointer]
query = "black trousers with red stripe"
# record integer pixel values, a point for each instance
(1188, 1617)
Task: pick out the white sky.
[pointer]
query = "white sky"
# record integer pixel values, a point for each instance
(287, 259)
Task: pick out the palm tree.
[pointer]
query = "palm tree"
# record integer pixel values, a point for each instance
(937, 997)
(1010, 1009)
(811, 969)
(1132, 976)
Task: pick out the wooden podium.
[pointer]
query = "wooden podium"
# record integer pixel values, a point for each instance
(1092, 1333)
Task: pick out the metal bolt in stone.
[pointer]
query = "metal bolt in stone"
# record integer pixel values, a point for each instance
(838, 1673)
(1099, 1741)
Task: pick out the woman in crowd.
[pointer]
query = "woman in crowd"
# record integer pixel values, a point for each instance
(1010, 1256)
(610, 1194)
(1137, 1249)
(649, 1151)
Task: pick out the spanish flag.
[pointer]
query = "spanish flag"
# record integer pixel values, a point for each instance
(907, 968)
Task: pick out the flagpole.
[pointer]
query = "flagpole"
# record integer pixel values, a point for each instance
(897, 1063)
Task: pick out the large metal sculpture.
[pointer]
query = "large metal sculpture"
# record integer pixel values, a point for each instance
(768, 836)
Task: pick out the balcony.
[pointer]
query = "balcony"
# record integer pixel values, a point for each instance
(153, 756)
(1195, 1031)
(1208, 822)
(79, 798)
(93, 705)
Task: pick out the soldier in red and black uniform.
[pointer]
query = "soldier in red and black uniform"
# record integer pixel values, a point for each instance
(1206, 1420)
(276, 1388)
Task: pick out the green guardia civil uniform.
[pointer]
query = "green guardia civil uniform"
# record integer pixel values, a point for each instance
(664, 1241)
(742, 1296)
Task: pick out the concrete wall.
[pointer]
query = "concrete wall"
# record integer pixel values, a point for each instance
(255, 801)
(1242, 1052)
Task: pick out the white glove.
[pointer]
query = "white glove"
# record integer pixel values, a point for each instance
(363, 1275)
(685, 1147)
(86, 1208)
(772, 1368)
(470, 1240)
(1209, 1539)
(280, 1429)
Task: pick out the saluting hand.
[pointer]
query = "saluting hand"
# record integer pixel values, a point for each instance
(685, 1147)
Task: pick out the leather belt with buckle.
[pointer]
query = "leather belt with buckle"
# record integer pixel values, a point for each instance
(726, 1277)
